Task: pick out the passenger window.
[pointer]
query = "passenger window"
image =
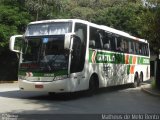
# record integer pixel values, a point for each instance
(144, 48)
(137, 48)
(95, 38)
(147, 51)
(107, 41)
(131, 47)
(113, 44)
(126, 48)
(140, 49)
(134, 45)
(118, 44)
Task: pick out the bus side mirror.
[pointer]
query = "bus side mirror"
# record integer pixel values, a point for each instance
(67, 40)
(15, 43)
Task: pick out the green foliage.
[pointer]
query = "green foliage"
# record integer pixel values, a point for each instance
(44, 9)
(127, 15)
(12, 21)
(82, 13)
(151, 25)
(123, 17)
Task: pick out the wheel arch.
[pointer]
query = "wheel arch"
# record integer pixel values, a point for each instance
(96, 78)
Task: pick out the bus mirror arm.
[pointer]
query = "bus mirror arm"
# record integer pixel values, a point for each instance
(67, 41)
(70, 51)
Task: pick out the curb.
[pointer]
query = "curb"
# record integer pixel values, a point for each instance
(149, 92)
(1, 82)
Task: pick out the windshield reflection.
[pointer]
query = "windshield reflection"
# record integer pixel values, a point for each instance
(44, 54)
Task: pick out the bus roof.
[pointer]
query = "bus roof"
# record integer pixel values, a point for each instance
(103, 27)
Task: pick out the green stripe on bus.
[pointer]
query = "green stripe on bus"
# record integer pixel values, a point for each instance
(116, 58)
(143, 60)
(44, 74)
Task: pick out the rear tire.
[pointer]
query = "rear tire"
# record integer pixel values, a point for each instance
(136, 81)
(140, 79)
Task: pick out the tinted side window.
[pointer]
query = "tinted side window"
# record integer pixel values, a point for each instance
(131, 47)
(121, 44)
(109, 41)
(113, 44)
(137, 48)
(141, 48)
(118, 42)
(125, 44)
(144, 49)
(95, 38)
(147, 49)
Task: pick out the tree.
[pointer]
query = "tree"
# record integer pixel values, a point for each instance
(126, 17)
(151, 25)
(44, 9)
(12, 21)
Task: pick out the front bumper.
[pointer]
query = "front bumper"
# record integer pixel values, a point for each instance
(54, 86)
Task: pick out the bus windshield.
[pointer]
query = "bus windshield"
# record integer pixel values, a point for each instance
(55, 28)
(45, 54)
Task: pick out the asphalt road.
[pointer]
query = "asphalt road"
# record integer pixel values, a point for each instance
(113, 100)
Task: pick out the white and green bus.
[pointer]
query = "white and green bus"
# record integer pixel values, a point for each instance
(68, 55)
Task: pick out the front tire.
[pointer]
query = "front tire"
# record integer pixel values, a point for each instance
(93, 85)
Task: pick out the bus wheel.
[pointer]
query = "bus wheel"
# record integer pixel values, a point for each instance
(93, 85)
(136, 81)
(140, 79)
